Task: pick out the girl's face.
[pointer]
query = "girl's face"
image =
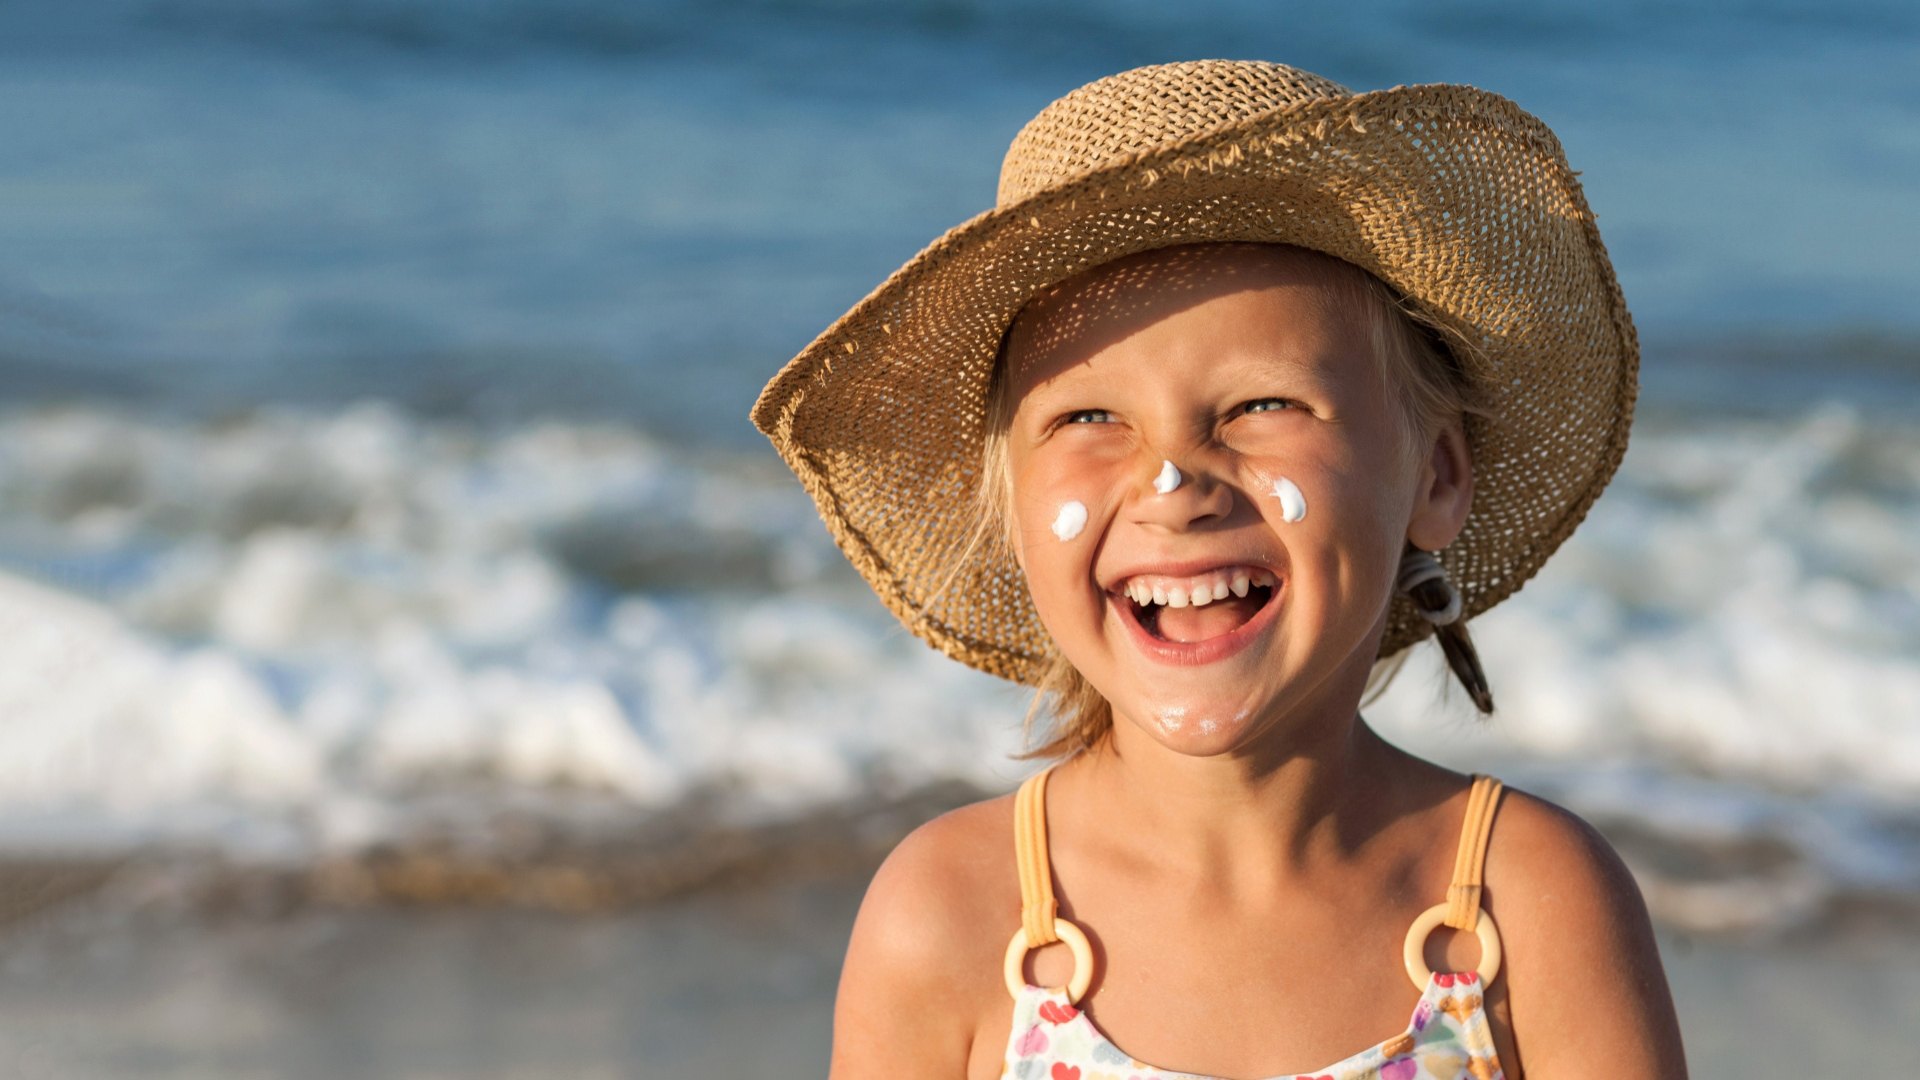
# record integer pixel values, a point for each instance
(1290, 495)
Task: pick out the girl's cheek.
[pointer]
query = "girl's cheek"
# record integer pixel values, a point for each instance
(1290, 488)
(1069, 520)
(1293, 501)
(1322, 487)
(1061, 496)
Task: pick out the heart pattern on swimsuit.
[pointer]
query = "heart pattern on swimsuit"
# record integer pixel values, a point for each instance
(1056, 1013)
(1446, 1039)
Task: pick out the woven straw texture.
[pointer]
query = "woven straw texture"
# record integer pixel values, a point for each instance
(1451, 194)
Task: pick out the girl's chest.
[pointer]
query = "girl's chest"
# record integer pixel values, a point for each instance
(1249, 1021)
(1220, 1004)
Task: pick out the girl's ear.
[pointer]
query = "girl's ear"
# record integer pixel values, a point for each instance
(1445, 491)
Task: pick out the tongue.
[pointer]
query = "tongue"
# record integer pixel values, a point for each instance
(1189, 624)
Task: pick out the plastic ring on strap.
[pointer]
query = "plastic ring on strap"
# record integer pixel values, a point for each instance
(1082, 960)
(1415, 953)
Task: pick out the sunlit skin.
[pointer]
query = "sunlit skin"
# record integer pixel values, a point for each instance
(1245, 852)
(1239, 364)
(1250, 779)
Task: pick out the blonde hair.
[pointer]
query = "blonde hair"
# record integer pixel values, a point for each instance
(1418, 355)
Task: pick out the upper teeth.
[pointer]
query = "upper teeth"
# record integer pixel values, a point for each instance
(1197, 591)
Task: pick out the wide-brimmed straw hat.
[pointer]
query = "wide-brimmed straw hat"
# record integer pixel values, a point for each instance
(1455, 196)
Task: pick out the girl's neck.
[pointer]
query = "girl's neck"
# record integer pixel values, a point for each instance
(1273, 815)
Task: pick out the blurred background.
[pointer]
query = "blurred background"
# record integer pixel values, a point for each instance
(415, 665)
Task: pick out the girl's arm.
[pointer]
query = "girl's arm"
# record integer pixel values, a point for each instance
(1586, 989)
(901, 1009)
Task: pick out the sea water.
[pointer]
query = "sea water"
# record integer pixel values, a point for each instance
(377, 377)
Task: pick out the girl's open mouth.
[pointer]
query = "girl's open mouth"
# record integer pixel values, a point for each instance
(1193, 619)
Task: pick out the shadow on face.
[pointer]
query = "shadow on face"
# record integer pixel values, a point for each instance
(1085, 314)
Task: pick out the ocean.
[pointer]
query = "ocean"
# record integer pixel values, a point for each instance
(375, 453)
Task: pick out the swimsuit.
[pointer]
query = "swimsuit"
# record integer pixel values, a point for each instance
(1446, 1039)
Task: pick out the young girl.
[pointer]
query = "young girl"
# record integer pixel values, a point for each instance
(1246, 384)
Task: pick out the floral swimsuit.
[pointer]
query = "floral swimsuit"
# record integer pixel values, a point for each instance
(1447, 1037)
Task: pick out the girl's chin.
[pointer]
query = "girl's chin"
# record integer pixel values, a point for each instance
(1192, 726)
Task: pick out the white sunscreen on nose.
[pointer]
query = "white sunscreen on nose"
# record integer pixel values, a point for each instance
(1168, 479)
(1070, 520)
(1293, 504)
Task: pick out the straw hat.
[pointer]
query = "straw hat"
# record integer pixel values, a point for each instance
(1453, 195)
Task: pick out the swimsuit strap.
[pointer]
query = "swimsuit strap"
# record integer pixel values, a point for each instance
(1461, 908)
(1037, 906)
(1040, 923)
(1463, 896)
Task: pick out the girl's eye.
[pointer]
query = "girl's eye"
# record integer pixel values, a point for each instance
(1088, 416)
(1272, 404)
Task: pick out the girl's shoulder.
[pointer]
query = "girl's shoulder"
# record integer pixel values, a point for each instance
(1549, 871)
(922, 971)
(1579, 947)
(949, 877)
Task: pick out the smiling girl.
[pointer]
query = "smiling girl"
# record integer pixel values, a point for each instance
(1246, 385)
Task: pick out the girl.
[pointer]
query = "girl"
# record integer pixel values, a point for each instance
(1246, 384)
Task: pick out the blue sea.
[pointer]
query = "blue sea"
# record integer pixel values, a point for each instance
(377, 375)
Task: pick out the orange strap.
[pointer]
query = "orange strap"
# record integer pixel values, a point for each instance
(1037, 906)
(1463, 896)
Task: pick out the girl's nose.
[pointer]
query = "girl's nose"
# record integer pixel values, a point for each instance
(1178, 499)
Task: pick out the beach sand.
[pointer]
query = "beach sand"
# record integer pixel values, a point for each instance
(733, 981)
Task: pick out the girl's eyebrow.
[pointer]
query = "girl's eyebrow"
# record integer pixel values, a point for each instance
(1052, 396)
(1287, 363)
(1292, 364)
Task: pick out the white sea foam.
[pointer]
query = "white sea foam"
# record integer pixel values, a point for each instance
(1743, 602)
(314, 619)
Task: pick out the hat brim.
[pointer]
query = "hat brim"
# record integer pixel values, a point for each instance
(1453, 195)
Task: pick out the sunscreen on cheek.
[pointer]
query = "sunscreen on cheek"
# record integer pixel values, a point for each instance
(1293, 504)
(1070, 520)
